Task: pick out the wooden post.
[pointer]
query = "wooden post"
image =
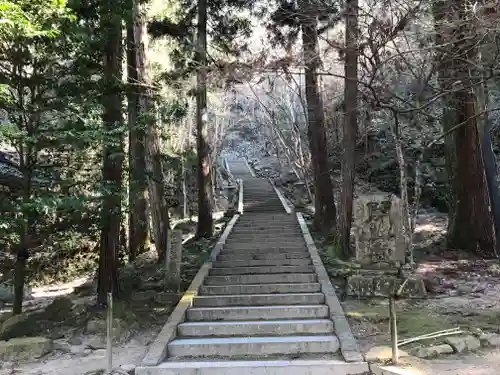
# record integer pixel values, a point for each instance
(394, 330)
(175, 259)
(109, 334)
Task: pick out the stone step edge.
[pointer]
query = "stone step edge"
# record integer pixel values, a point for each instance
(252, 340)
(256, 328)
(256, 295)
(256, 367)
(348, 344)
(253, 346)
(256, 322)
(275, 285)
(157, 351)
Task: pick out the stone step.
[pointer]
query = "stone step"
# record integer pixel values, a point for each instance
(259, 300)
(257, 241)
(264, 232)
(259, 289)
(255, 248)
(253, 243)
(267, 235)
(256, 328)
(249, 256)
(262, 262)
(263, 209)
(268, 216)
(228, 313)
(261, 270)
(266, 367)
(264, 200)
(252, 346)
(262, 279)
(270, 228)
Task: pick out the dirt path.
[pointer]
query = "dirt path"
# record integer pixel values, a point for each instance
(486, 363)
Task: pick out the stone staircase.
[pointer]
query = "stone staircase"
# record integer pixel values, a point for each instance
(260, 309)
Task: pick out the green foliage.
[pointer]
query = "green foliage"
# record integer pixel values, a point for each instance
(52, 125)
(229, 26)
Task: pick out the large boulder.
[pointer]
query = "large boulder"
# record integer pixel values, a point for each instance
(24, 348)
(19, 325)
(59, 310)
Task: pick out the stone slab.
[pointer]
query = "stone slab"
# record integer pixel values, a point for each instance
(257, 248)
(348, 344)
(283, 367)
(260, 289)
(294, 255)
(256, 328)
(252, 346)
(262, 262)
(259, 300)
(257, 312)
(261, 270)
(284, 278)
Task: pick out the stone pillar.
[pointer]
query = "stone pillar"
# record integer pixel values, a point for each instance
(174, 259)
(380, 247)
(378, 230)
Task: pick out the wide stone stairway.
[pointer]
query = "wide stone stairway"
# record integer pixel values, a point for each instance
(260, 310)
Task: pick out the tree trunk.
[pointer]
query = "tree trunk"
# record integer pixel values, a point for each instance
(444, 63)
(350, 126)
(148, 118)
(205, 199)
(325, 210)
(138, 219)
(471, 226)
(22, 253)
(112, 156)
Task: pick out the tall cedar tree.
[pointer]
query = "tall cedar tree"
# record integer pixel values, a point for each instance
(225, 24)
(205, 198)
(113, 153)
(471, 226)
(304, 16)
(146, 120)
(138, 217)
(350, 125)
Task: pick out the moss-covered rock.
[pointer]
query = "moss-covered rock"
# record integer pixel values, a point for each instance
(20, 325)
(60, 310)
(24, 348)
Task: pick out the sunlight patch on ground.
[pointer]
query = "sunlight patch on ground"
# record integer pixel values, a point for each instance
(429, 228)
(394, 370)
(61, 289)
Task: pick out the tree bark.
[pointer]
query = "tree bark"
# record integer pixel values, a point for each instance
(350, 126)
(138, 219)
(148, 118)
(471, 226)
(205, 199)
(325, 210)
(112, 155)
